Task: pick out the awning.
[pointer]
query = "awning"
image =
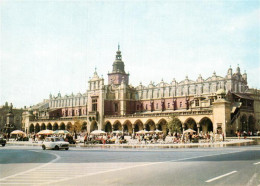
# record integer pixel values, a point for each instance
(244, 96)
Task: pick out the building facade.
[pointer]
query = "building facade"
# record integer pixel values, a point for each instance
(17, 116)
(215, 104)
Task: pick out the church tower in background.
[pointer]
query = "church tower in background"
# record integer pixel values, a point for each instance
(118, 75)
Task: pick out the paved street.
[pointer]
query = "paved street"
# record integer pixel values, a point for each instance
(81, 166)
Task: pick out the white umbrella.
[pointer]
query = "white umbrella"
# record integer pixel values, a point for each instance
(61, 132)
(142, 132)
(189, 131)
(98, 132)
(158, 131)
(117, 132)
(45, 132)
(18, 132)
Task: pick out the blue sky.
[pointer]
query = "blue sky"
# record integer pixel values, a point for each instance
(52, 46)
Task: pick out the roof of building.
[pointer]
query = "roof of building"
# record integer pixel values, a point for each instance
(244, 96)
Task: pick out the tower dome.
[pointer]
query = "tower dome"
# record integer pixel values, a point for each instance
(118, 65)
(118, 75)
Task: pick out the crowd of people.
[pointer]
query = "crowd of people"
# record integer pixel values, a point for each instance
(140, 138)
(244, 134)
(153, 138)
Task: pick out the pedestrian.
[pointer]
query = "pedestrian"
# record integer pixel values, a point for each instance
(238, 134)
(190, 136)
(245, 134)
(85, 138)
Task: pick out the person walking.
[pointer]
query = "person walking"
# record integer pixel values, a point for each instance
(85, 138)
(190, 137)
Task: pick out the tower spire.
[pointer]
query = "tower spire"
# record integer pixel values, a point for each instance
(118, 46)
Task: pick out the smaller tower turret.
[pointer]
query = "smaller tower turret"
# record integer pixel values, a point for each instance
(238, 69)
(245, 76)
(229, 72)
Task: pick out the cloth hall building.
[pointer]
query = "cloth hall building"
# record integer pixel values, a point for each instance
(225, 104)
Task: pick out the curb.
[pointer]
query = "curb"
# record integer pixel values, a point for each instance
(190, 145)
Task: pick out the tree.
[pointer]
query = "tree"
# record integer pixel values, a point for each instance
(77, 127)
(174, 124)
(84, 126)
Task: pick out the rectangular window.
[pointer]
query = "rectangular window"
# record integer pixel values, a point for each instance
(168, 105)
(180, 104)
(197, 103)
(137, 108)
(146, 107)
(156, 105)
(211, 101)
(94, 104)
(116, 107)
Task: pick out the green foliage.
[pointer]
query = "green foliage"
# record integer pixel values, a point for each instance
(77, 127)
(174, 124)
(84, 126)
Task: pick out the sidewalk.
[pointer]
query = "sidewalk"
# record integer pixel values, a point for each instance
(229, 142)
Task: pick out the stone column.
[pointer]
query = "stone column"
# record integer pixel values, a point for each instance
(183, 126)
(198, 128)
(133, 127)
(113, 128)
(123, 128)
(145, 126)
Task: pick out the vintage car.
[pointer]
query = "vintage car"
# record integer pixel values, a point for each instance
(2, 141)
(55, 143)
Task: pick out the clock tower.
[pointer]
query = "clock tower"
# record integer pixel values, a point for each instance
(118, 75)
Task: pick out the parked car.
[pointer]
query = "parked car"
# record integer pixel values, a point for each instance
(2, 141)
(55, 143)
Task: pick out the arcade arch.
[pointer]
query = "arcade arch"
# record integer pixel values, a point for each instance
(55, 126)
(150, 125)
(43, 126)
(162, 125)
(190, 123)
(62, 126)
(49, 126)
(108, 127)
(31, 129)
(138, 125)
(127, 127)
(206, 125)
(117, 126)
(37, 128)
(93, 126)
